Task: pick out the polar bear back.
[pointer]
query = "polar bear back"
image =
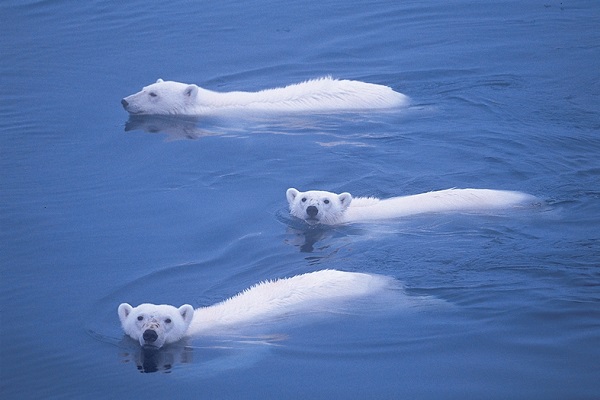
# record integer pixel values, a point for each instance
(449, 200)
(324, 94)
(285, 296)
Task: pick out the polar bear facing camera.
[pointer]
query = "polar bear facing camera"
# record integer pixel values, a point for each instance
(157, 325)
(316, 206)
(324, 94)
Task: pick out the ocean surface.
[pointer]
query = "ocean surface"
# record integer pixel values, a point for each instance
(97, 208)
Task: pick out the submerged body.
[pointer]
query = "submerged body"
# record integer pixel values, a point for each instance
(157, 325)
(329, 208)
(324, 94)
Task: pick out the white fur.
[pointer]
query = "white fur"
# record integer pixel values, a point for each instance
(329, 208)
(266, 300)
(324, 94)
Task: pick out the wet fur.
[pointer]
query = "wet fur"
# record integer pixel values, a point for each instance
(342, 208)
(323, 94)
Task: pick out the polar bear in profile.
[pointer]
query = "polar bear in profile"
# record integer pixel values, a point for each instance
(157, 325)
(316, 206)
(324, 94)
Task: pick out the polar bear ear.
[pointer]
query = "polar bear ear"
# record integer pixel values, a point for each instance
(159, 80)
(345, 199)
(124, 311)
(291, 194)
(191, 91)
(187, 312)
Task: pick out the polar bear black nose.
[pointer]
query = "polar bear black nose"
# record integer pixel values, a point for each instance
(125, 103)
(150, 336)
(312, 211)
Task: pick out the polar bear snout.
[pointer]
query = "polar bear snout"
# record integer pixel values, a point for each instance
(150, 336)
(312, 211)
(129, 106)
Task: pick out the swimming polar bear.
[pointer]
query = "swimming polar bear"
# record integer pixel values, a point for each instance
(324, 94)
(156, 325)
(315, 206)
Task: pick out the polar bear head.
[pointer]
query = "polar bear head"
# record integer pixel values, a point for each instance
(316, 206)
(162, 98)
(155, 325)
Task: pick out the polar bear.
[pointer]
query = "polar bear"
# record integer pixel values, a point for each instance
(157, 325)
(316, 206)
(323, 94)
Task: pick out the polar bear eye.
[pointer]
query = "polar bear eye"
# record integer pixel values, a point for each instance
(326, 201)
(168, 320)
(140, 318)
(304, 199)
(152, 94)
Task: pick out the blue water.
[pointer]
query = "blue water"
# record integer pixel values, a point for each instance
(97, 209)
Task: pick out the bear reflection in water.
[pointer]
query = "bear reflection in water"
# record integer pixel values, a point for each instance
(177, 128)
(152, 359)
(213, 356)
